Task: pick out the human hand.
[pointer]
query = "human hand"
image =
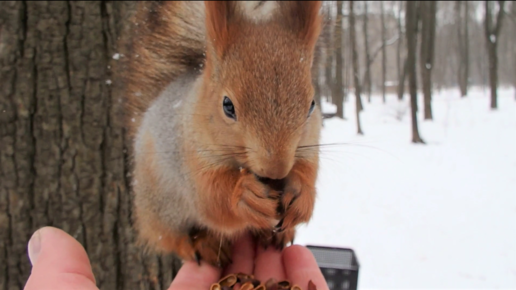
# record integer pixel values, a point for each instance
(60, 262)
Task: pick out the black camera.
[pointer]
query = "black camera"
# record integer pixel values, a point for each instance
(339, 266)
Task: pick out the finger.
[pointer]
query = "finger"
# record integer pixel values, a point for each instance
(58, 262)
(191, 276)
(243, 256)
(268, 264)
(301, 267)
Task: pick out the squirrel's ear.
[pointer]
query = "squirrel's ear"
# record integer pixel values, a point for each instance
(304, 18)
(219, 14)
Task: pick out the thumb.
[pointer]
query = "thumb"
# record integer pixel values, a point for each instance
(59, 262)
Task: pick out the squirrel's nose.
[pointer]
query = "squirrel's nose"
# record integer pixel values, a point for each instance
(275, 169)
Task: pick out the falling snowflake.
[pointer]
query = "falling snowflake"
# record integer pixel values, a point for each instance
(116, 56)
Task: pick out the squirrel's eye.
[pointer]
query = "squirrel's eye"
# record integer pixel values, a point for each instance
(228, 107)
(312, 107)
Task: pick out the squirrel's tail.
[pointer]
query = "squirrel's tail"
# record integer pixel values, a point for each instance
(168, 40)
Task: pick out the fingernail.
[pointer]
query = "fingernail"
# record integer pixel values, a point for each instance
(34, 247)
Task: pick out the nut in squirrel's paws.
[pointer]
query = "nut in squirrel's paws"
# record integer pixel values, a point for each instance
(255, 202)
(209, 248)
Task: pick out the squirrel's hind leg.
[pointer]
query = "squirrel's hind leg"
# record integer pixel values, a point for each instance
(191, 244)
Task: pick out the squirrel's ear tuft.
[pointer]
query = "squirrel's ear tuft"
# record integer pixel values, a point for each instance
(304, 18)
(219, 15)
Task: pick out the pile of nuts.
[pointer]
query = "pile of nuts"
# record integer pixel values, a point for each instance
(248, 282)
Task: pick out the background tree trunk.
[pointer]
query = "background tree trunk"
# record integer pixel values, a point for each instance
(399, 62)
(513, 14)
(367, 79)
(411, 24)
(463, 45)
(384, 53)
(466, 47)
(328, 54)
(338, 91)
(62, 141)
(402, 81)
(427, 11)
(492, 32)
(352, 36)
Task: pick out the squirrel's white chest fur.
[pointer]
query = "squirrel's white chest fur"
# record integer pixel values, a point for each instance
(164, 123)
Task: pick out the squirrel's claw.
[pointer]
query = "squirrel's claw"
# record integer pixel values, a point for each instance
(198, 258)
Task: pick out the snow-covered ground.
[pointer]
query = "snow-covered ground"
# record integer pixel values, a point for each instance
(441, 215)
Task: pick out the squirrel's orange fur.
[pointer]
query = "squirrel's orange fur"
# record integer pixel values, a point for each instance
(195, 199)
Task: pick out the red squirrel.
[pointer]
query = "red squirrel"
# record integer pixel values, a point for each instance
(223, 123)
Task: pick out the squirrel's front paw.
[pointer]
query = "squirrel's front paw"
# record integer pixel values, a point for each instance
(255, 202)
(297, 203)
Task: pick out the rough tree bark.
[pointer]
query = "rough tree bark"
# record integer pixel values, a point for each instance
(367, 80)
(62, 159)
(492, 32)
(338, 92)
(428, 11)
(463, 44)
(384, 51)
(411, 30)
(352, 36)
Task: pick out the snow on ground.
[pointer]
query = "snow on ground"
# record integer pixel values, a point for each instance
(441, 215)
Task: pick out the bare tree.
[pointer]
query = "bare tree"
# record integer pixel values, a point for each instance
(411, 30)
(399, 64)
(327, 34)
(463, 44)
(384, 54)
(513, 15)
(338, 91)
(402, 71)
(492, 33)
(428, 13)
(352, 36)
(367, 79)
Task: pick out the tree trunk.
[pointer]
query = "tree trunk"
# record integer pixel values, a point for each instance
(352, 36)
(398, 54)
(402, 81)
(463, 45)
(492, 33)
(466, 47)
(411, 33)
(62, 160)
(328, 55)
(316, 73)
(428, 12)
(338, 92)
(328, 73)
(367, 79)
(384, 54)
(514, 47)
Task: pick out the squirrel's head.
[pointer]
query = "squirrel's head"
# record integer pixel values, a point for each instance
(258, 84)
